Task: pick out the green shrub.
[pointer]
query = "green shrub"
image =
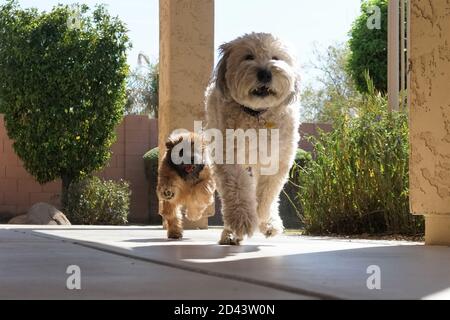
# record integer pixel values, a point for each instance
(151, 172)
(302, 158)
(2, 106)
(151, 162)
(358, 181)
(94, 201)
(62, 87)
(290, 209)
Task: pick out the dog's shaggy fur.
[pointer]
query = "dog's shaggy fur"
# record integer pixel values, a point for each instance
(254, 86)
(187, 187)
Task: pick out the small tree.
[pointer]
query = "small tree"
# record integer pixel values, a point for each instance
(335, 93)
(368, 45)
(143, 88)
(62, 87)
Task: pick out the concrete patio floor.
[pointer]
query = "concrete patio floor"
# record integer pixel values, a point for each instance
(139, 263)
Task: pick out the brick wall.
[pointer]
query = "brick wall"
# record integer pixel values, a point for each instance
(135, 136)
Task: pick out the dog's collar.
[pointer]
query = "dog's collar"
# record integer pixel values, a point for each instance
(252, 112)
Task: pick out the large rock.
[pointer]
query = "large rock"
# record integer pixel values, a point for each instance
(42, 214)
(23, 219)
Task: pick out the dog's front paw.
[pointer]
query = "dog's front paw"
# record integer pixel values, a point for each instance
(271, 229)
(243, 225)
(230, 241)
(227, 239)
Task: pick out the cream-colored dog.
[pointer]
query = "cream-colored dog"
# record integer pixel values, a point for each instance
(254, 86)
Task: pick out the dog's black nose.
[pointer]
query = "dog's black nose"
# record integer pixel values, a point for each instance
(264, 76)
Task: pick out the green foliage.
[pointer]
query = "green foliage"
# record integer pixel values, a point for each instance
(143, 89)
(336, 93)
(369, 48)
(151, 172)
(92, 201)
(302, 158)
(151, 162)
(358, 181)
(62, 87)
(290, 208)
(2, 108)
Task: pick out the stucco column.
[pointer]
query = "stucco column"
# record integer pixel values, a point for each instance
(430, 116)
(186, 61)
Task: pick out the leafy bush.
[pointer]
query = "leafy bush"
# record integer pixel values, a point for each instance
(290, 209)
(358, 181)
(302, 158)
(151, 162)
(62, 87)
(151, 172)
(369, 47)
(94, 201)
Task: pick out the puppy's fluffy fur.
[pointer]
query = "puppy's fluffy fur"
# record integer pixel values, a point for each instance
(187, 187)
(254, 84)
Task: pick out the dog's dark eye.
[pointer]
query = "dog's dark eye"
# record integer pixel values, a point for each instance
(275, 58)
(249, 57)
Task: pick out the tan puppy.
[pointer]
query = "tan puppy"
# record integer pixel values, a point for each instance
(187, 185)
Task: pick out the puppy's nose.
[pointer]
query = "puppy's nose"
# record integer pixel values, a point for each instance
(264, 76)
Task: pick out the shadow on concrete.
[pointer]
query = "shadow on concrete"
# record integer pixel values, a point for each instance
(194, 252)
(406, 271)
(157, 240)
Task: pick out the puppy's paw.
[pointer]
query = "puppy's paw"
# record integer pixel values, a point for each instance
(166, 193)
(175, 234)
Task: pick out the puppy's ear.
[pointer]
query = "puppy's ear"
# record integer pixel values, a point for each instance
(172, 141)
(221, 69)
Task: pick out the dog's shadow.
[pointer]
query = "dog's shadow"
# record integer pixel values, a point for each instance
(181, 249)
(156, 240)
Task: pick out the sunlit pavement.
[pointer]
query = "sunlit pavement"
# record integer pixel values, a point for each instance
(140, 263)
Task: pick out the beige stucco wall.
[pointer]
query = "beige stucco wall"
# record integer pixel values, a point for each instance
(430, 113)
(186, 63)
